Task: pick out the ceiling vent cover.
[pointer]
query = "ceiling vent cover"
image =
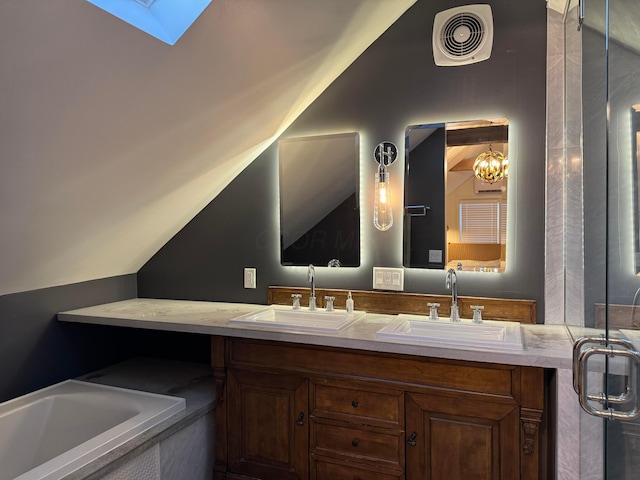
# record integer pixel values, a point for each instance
(462, 35)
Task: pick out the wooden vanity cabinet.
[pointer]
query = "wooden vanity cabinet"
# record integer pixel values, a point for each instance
(357, 430)
(290, 411)
(461, 439)
(268, 425)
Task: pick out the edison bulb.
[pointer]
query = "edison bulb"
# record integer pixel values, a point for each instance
(382, 214)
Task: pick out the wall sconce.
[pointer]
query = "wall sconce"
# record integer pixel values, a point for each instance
(491, 167)
(385, 154)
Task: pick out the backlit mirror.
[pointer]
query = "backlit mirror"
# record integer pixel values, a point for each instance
(452, 219)
(319, 211)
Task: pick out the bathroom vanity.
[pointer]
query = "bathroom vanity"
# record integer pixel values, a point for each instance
(293, 411)
(295, 404)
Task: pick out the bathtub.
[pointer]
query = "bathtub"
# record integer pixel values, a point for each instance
(49, 433)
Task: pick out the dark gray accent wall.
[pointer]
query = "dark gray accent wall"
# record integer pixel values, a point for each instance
(392, 85)
(36, 350)
(204, 261)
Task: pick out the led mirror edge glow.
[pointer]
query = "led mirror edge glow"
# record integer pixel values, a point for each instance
(494, 118)
(165, 20)
(347, 132)
(342, 275)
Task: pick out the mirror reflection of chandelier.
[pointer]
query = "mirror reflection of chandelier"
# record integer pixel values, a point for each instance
(490, 166)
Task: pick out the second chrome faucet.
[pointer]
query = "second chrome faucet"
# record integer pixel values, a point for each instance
(311, 278)
(452, 284)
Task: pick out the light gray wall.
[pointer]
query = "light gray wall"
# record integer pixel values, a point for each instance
(595, 169)
(392, 85)
(113, 140)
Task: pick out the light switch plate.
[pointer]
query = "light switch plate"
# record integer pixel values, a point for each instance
(249, 278)
(386, 278)
(435, 256)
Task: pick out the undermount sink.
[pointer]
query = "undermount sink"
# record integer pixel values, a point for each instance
(489, 334)
(285, 318)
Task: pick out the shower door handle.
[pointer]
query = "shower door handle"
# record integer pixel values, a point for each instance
(588, 347)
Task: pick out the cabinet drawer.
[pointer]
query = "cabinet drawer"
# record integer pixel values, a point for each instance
(358, 404)
(383, 447)
(333, 471)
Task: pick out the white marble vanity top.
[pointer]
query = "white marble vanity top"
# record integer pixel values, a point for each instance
(546, 346)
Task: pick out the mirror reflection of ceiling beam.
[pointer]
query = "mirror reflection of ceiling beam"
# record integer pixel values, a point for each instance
(474, 136)
(457, 164)
(478, 135)
(463, 165)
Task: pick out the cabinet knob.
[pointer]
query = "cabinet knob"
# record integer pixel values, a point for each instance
(354, 442)
(300, 419)
(354, 403)
(412, 439)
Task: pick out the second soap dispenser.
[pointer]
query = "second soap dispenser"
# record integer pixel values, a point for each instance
(349, 307)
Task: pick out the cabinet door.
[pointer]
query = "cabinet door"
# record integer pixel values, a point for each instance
(458, 438)
(268, 428)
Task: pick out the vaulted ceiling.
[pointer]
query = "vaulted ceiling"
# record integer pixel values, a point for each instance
(112, 141)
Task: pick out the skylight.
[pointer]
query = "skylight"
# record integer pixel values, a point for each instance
(167, 20)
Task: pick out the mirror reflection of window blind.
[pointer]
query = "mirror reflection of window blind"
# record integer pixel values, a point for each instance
(503, 222)
(483, 222)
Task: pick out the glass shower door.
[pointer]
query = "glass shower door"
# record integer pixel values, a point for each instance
(606, 354)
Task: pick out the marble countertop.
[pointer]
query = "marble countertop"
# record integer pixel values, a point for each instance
(546, 346)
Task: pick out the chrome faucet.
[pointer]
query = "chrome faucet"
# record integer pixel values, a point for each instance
(311, 278)
(329, 299)
(452, 284)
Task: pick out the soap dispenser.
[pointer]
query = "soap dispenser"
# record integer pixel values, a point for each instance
(349, 305)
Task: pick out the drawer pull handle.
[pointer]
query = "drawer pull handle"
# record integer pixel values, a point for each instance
(354, 403)
(300, 419)
(354, 442)
(356, 478)
(412, 439)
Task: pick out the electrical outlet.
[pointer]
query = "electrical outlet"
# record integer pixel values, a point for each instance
(249, 278)
(385, 278)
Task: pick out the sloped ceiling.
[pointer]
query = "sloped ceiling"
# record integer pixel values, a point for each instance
(112, 140)
(562, 6)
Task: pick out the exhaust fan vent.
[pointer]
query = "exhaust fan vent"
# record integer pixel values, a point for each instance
(462, 35)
